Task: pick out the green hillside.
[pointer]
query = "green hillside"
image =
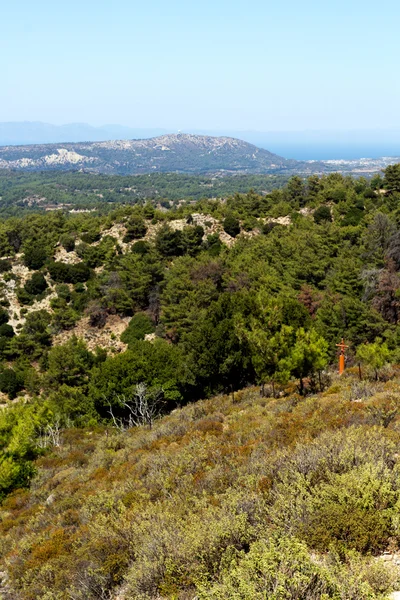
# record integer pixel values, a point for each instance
(137, 457)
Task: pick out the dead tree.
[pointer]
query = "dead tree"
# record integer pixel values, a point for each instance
(50, 435)
(142, 409)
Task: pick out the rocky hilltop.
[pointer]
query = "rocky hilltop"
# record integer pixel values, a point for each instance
(182, 153)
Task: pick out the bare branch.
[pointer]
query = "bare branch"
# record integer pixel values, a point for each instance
(142, 409)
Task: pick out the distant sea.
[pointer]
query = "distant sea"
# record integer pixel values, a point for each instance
(327, 151)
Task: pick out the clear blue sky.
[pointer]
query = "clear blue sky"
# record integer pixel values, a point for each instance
(214, 64)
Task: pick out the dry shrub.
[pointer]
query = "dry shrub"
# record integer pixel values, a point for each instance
(384, 408)
(362, 390)
(155, 511)
(210, 425)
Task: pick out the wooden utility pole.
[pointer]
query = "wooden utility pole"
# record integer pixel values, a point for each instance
(342, 347)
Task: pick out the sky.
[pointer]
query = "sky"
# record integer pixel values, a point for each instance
(241, 64)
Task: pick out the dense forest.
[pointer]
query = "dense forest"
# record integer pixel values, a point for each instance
(22, 193)
(171, 423)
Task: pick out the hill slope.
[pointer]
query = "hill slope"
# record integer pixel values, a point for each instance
(222, 499)
(182, 153)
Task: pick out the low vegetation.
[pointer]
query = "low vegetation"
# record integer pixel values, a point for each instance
(234, 497)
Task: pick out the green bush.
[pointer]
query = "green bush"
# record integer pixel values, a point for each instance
(135, 228)
(6, 331)
(213, 244)
(139, 325)
(5, 265)
(3, 316)
(169, 242)
(231, 225)
(68, 242)
(323, 213)
(283, 569)
(35, 255)
(36, 284)
(140, 247)
(10, 383)
(65, 273)
(90, 236)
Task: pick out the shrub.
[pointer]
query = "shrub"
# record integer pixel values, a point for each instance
(36, 284)
(65, 318)
(374, 356)
(97, 314)
(193, 239)
(63, 292)
(68, 242)
(64, 273)
(10, 383)
(231, 225)
(213, 244)
(323, 213)
(169, 242)
(135, 228)
(139, 325)
(6, 331)
(268, 227)
(35, 256)
(338, 491)
(5, 265)
(79, 273)
(282, 569)
(91, 236)
(3, 316)
(148, 211)
(141, 247)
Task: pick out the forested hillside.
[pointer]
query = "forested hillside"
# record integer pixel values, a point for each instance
(22, 193)
(109, 321)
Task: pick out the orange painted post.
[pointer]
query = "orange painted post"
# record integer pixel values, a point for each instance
(342, 347)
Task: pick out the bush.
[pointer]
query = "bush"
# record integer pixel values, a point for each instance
(322, 214)
(10, 383)
(231, 225)
(91, 236)
(68, 242)
(5, 265)
(141, 247)
(139, 325)
(3, 316)
(213, 244)
(193, 239)
(97, 314)
(169, 242)
(36, 284)
(65, 318)
(282, 569)
(35, 256)
(63, 273)
(148, 211)
(135, 228)
(6, 331)
(268, 227)
(338, 492)
(64, 292)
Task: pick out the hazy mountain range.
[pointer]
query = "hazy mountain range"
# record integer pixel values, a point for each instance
(301, 145)
(183, 153)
